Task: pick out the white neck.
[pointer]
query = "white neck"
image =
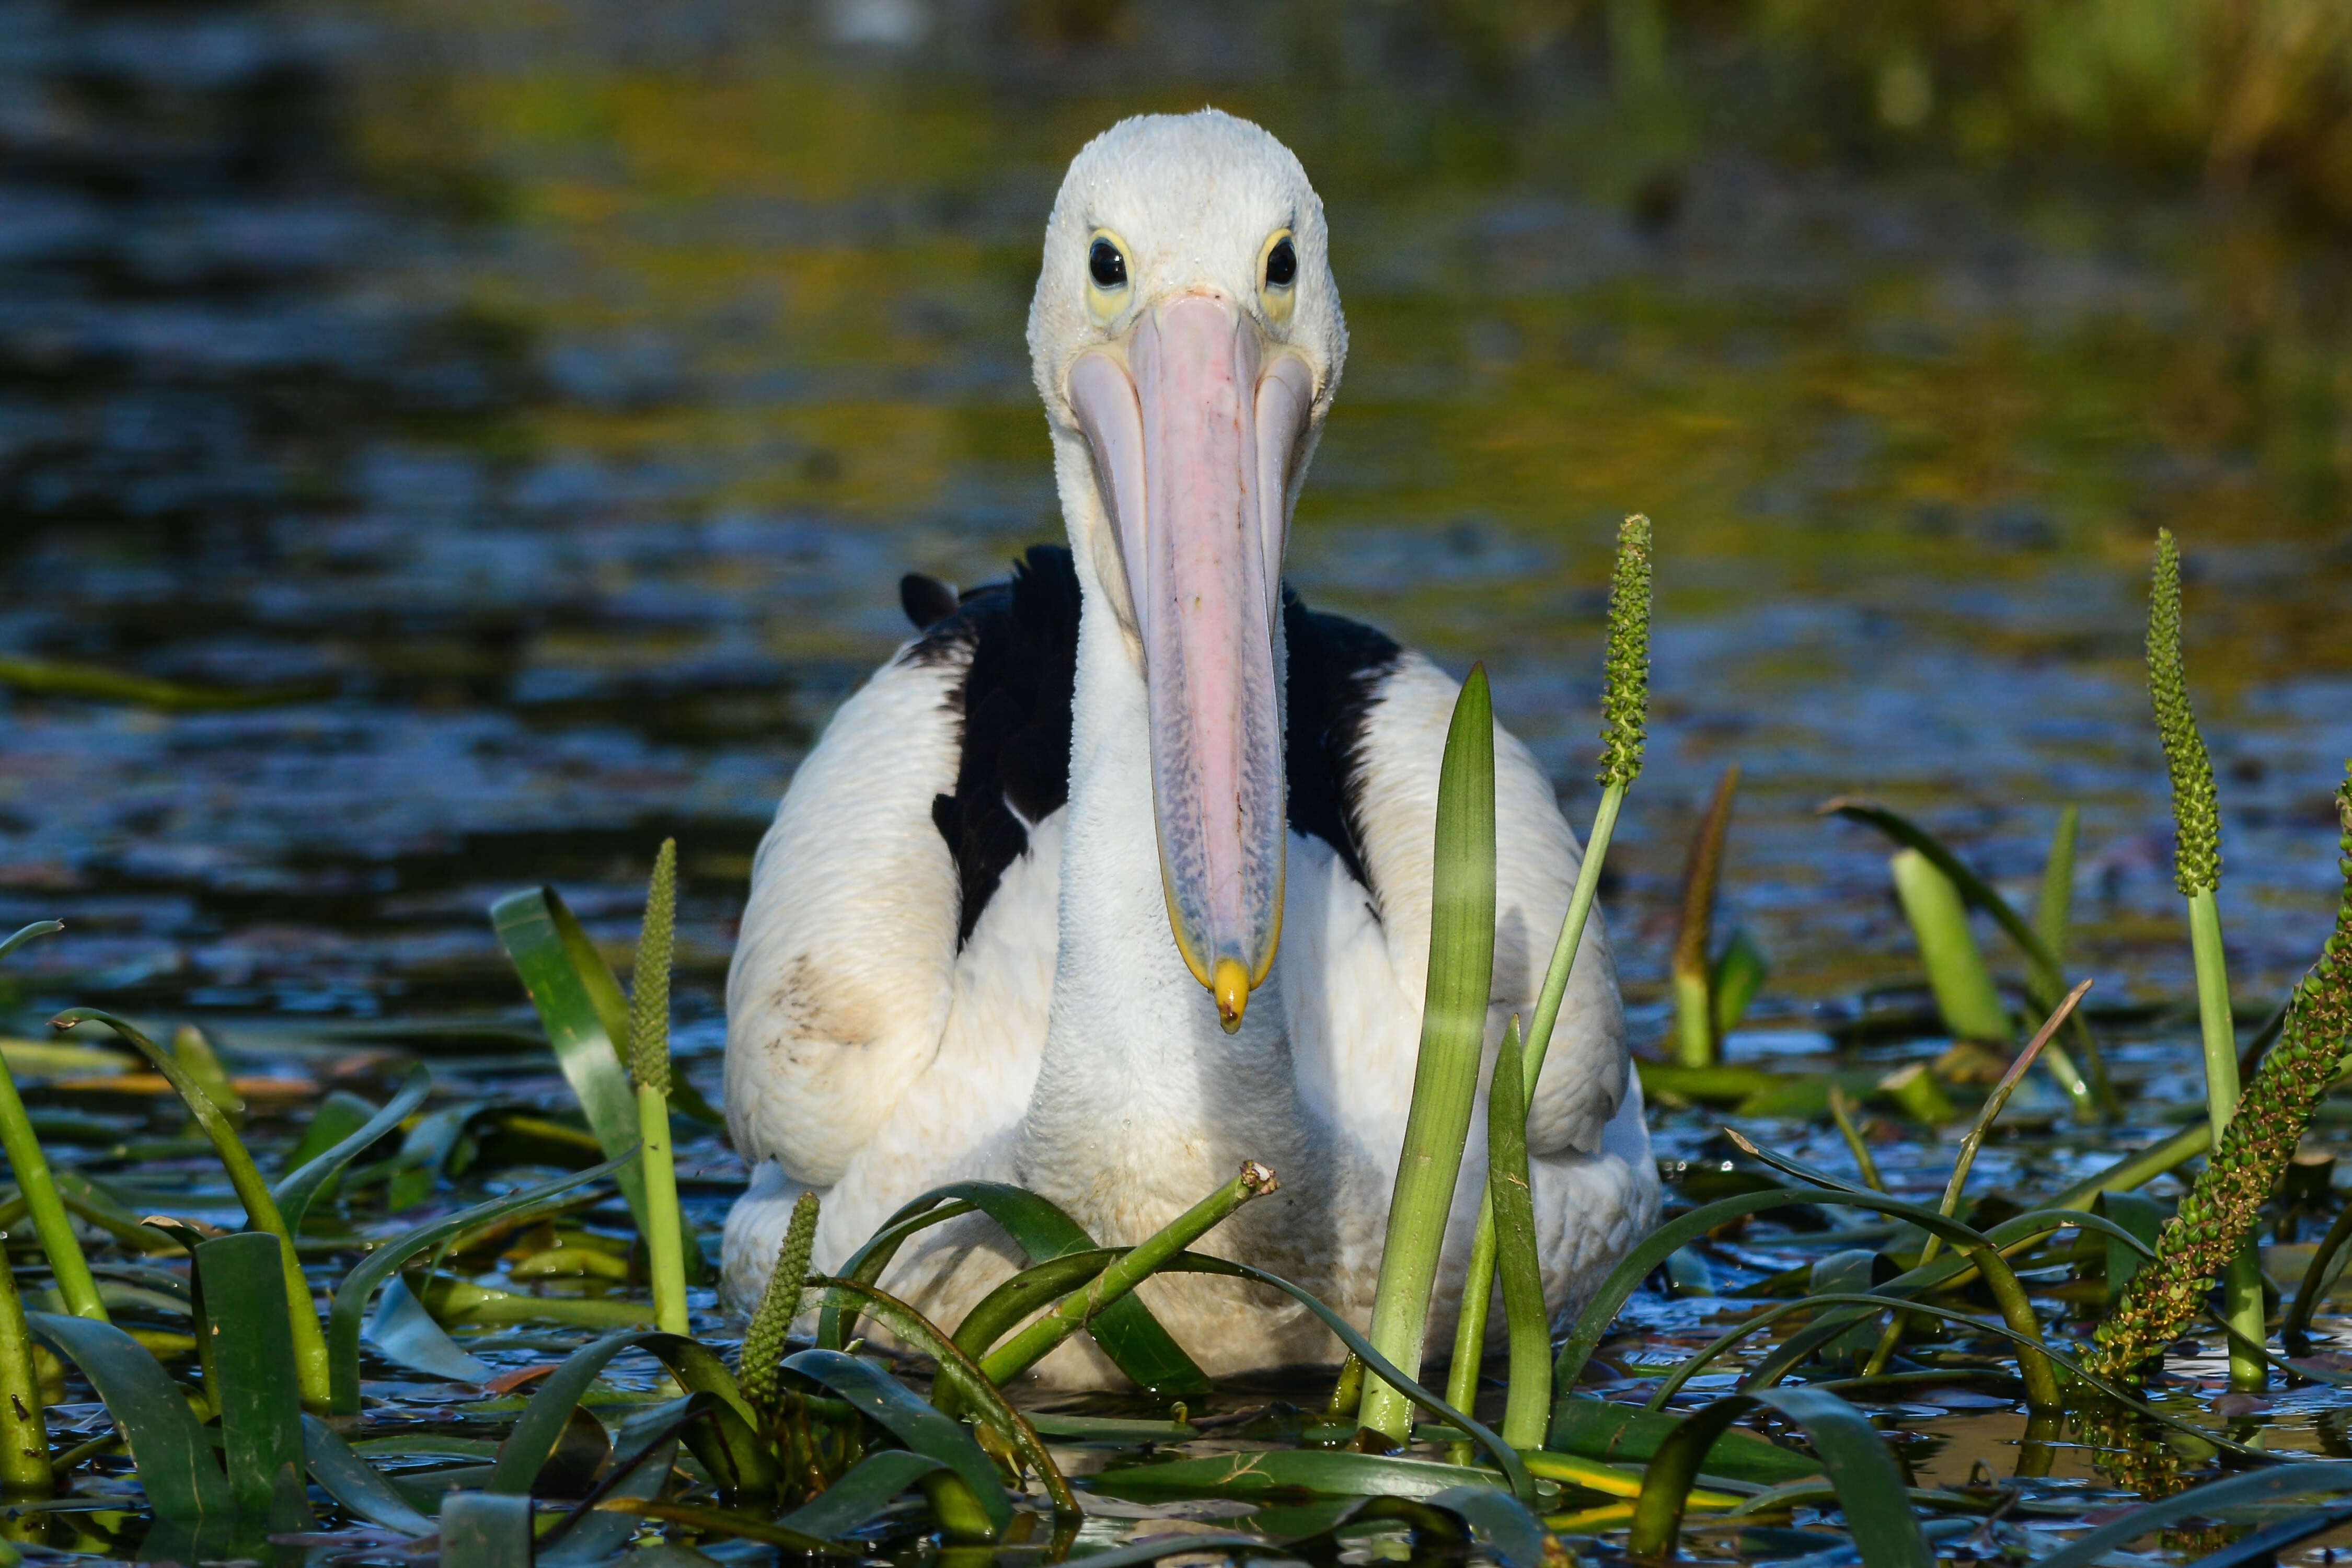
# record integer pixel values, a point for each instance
(1143, 1103)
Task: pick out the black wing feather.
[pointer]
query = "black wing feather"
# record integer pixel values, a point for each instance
(1022, 637)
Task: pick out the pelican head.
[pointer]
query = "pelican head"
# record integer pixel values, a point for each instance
(1186, 337)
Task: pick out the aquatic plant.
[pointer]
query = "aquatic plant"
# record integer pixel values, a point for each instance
(1453, 1033)
(2219, 1218)
(1624, 710)
(649, 1071)
(2197, 871)
(823, 1446)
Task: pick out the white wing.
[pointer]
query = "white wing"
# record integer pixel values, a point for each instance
(843, 970)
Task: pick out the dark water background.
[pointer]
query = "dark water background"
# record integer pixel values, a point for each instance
(560, 390)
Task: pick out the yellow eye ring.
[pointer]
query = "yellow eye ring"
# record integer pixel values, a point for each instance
(1277, 274)
(1107, 276)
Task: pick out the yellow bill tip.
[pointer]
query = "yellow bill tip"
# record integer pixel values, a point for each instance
(1231, 986)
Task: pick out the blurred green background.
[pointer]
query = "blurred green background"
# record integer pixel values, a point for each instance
(559, 387)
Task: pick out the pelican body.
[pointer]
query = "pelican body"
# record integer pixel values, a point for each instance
(1119, 873)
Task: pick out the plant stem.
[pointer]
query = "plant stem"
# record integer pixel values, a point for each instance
(665, 1246)
(2053, 908)
(1972, 1008)
(47, 1211)
(1696, 1040)
(1842, 1113)
(261, 1210)
(1967, 1157)
(649, 1068)
(24, 1436)
(1477, 1279)
(1511, 1205)
(1026, 1349)
(2136, 1170)
(1453, 1037)
(2242, 1282)
(35, 1184)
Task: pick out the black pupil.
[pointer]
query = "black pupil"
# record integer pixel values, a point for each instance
(1281, 264)
(1108, 266)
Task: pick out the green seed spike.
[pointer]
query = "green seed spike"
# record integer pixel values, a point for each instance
(1625, 688)
(2196, 809)
(649, 982)
(2221, 1210)
(763, 1342)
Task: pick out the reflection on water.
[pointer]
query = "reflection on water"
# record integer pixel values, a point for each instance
(567, 387)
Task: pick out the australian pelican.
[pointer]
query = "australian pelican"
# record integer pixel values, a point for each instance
(1119, 873)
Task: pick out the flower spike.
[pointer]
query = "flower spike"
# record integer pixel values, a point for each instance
(649, 982)
(2196, 810)
(763, 1342)
(1625, 688)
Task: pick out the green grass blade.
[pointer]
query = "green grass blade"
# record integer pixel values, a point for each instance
(586, 1018)
(2235, 1491)
(644, 1454)
(1131, 1268)
(1523, 1313)
(969, 1499)
(176, 1468)
(2053, 908)
(2140, 1167)
(1603, 1429)
(2144, 1218)
(261, 1208)
(1695, 1038)
(404, 1333)
(23, 1432)
(2316, 1277)
(2242, 1280)
(2045, 977)
(1511, 1529)
(1965, 993)
(1740, 971)
(1325, 1472)
(871, 1486)
(251, 1364)
(348, 1310)
(1453, 1033)
(741, 1526)
(35, 1181)
(294, 1193)
(486, 1530)
(1228, 1542)
(354, 1484)
(1618, 1288)
(1126, 1331)
(725, 1446)
(1870, 1485)
(1506, 1457)
(973, 1390)
(2010, 1236)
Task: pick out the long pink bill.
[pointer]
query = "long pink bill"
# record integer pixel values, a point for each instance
(1194, 436)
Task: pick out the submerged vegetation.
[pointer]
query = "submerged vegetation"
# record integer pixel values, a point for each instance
(245, 1416)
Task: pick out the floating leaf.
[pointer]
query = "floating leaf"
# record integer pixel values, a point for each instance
(354, 1484)
(969, 1500)
(176, 1468)
(1870, 1485)
(250, 1360)
(347, 1311)
(405, 1333)
(1126, 1331)
(295, 1191)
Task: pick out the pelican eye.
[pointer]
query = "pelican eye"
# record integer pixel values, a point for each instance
(1105, 265)
(1108, 293)
(1278, 270)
